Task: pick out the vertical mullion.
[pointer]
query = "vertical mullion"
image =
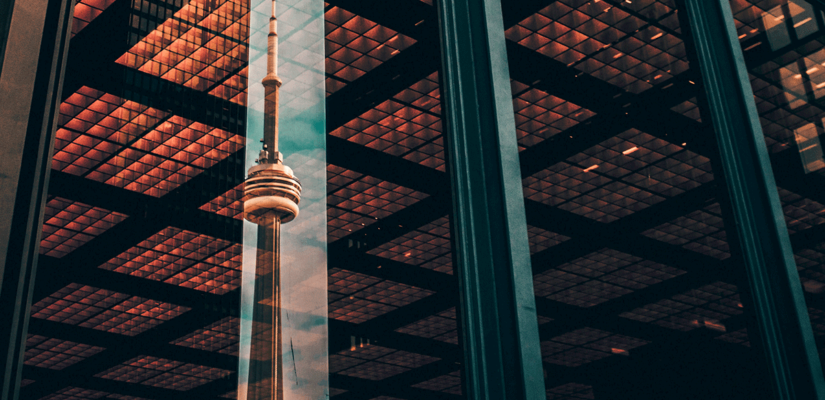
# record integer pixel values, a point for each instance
(38, 36)
(778, 300)
(500, 331)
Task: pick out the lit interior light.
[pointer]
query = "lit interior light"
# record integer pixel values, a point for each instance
(715, 326)
(657, 77)
(684, 144)
(617, 55)
(742, 36)
(619, 351)
(692, 82)
(803, 22)
(631, 150)
(820, 85)
(812, 70)
(752, 46)
(658, 35)
(798, 76)
(590, 168)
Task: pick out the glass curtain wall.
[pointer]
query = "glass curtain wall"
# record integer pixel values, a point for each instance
(640, 285)
(148, 287)
(393, 295)
(145, 250)
(784, 49)
(139, 282)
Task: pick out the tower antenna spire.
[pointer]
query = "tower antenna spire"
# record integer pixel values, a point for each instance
(272, 195)
(272, 87)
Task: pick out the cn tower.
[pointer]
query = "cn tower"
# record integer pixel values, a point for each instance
(272, 195)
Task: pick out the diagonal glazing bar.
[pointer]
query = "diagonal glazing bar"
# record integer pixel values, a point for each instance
(778, 298)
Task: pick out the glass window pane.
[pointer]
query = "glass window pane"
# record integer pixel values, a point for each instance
(392, 292)
(639, 284)
(784, 51)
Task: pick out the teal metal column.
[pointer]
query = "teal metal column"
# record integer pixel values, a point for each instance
(500, 332)
(774, 282)
(30, 85)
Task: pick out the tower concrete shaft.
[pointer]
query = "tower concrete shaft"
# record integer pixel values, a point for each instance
(272, 194)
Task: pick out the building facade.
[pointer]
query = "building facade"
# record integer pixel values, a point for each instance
(569, 199)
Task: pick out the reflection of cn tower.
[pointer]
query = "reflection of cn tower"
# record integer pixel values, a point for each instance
(272, 195)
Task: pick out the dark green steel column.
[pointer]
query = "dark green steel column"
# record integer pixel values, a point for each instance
(30, 86)
(500, 332)
(774, 282)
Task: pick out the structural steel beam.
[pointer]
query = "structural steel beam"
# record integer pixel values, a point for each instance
(35, 37)
(773, 279)
(501, 343)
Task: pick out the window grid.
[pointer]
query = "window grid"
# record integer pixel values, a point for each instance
(104, 310)
(707, 306)
(407, 126)
(358, 298)
(183, 258)
(356, 45)
(540, 116)
(632, 45)
(70, 224)
(600, 276)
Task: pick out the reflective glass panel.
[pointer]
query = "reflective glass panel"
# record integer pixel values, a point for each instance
(639, 284)
(784, 50)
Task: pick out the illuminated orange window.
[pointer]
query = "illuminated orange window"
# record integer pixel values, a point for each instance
(540, 116)
(632, 45)
(200, 46)
(56, 354)
(125, 144)
(221, 337)
(229, 204)
(104, 310)
(68, 225)
(185, 259)
(87, 10)
(356, 200)
(408, 126)
(356, 45)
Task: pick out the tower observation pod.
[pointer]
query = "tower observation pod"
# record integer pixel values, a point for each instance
(272, 194)
(271, 188)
